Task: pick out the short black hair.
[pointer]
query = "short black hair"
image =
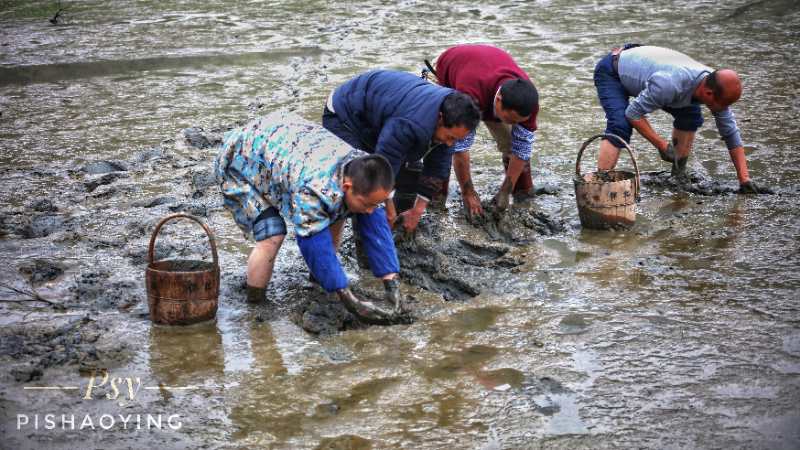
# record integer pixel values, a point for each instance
(519, 95)
(459, 109)
(370, 173)
(713, 84)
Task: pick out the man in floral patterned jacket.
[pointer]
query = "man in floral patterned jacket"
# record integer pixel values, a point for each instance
(284, 167)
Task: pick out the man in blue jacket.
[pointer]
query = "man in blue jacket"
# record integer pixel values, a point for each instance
(660, 78)
(405, 119)
(284, 167)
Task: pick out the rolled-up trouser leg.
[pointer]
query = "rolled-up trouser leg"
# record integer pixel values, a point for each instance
(614, 100)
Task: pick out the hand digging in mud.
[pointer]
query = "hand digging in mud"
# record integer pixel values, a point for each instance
(367, 311)
(472, 202)
(667, 155)
(502, 199)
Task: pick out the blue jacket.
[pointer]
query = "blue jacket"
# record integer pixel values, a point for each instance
(395, 115)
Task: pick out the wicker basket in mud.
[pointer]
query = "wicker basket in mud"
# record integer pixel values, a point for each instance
(606, 199)
(182, 292)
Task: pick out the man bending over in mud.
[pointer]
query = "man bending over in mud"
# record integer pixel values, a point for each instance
(509, 104)
(660, 78)
(282, 166)
(406, 119)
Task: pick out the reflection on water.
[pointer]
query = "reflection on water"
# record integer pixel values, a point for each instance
(184, 356)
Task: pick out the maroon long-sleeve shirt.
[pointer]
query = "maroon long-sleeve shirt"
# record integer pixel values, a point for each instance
(479, 70)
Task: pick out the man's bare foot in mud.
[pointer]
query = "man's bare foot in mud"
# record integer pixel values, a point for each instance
(679, 170)
(256, 295)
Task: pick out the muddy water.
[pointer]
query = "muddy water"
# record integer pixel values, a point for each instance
(683, 332)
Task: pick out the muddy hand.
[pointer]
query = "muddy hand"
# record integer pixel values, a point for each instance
(365, 311)
(668, 155)
(397, 223)
(750, 187)
(409, 220)
(392, 294)
(501, 200)
(472, 206)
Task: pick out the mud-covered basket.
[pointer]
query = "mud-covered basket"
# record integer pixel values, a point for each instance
(607, 199)
(182, 292)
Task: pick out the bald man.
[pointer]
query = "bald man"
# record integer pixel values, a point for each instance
(660, 78)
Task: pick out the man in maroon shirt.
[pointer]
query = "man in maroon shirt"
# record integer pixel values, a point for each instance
(509, 103)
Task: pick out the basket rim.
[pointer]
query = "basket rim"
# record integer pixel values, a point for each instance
(211, 266)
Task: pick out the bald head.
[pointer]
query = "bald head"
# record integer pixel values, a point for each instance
(719, 89)
(726, 86)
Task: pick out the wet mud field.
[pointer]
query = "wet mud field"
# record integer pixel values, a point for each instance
(528, 331)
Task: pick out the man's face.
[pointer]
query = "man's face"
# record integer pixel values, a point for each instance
(363, 204)
(449, 136)
(508, 116)
(714, 103)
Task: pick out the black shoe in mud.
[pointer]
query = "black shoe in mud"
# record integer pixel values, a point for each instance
(255, 295)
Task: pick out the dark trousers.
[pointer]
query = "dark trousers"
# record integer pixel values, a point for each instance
(405, 181)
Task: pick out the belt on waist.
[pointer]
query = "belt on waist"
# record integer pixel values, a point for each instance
(615, 58)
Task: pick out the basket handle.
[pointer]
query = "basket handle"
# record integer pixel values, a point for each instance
(636, 185)
(211, 240)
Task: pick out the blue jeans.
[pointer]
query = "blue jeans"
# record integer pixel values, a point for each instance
(614, 100)
(335, 125)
